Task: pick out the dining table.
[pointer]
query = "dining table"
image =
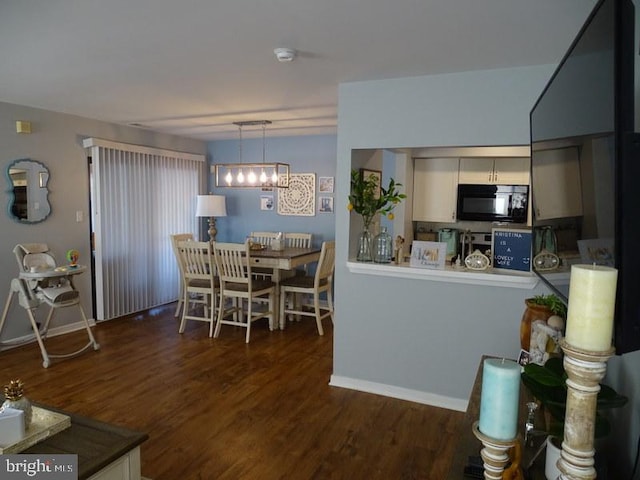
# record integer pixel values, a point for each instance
(281, 262)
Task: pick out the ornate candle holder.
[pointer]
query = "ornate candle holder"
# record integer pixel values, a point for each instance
(494, 454)
(585, 370)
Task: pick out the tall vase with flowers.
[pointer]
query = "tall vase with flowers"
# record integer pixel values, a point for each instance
(368, 198)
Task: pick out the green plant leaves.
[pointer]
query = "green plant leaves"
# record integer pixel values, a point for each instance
(552, 301)
(364, 199)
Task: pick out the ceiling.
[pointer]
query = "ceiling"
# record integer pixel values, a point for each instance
(193, 67)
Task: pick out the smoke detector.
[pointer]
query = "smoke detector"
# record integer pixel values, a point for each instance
(285, 54)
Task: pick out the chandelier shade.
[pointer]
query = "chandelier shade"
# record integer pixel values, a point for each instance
(252, 175)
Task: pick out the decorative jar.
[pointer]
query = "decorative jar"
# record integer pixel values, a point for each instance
(364, 245)
(382, 247)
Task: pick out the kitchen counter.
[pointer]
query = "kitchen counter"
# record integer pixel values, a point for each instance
(490, 277)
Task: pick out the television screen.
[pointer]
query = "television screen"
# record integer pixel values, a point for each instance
(583, 154)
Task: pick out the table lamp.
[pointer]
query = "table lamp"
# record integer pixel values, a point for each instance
(211, 206)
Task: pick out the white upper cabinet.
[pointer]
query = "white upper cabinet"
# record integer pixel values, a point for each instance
(560, 194)
(503, 170)
(435, 189)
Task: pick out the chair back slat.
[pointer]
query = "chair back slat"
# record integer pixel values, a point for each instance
(263, 238)
(196, 259)
(298, 240)
(326, 263)
(175, 239)
(231, 263)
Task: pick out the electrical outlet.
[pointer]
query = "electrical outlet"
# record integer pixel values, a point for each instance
(79, 216)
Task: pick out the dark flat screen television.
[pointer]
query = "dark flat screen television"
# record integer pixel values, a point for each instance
(585, 163)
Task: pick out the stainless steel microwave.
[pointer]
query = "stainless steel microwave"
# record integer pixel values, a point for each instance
(493, 203)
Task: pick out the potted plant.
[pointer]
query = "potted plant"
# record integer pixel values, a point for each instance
(368, 198)
(547, 383)
(541, 307)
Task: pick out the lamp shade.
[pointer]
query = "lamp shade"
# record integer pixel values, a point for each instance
(211, 206)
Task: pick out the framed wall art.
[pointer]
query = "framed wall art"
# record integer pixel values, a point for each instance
(326, 204)
(428, 254)
(300, 198)
(266, 202)
(325, 185)
(377, 174)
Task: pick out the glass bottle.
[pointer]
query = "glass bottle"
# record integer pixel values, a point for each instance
(364, 245)
(382, 248)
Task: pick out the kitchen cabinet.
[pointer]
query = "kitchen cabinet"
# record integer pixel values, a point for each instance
(560, 194)
(486, 170)
(435, 189)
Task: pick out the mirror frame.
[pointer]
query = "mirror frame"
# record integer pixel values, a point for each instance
(40, 181)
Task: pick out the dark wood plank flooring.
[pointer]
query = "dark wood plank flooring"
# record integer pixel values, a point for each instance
(220, 409)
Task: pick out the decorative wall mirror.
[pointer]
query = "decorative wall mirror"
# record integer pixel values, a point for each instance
(28, 202)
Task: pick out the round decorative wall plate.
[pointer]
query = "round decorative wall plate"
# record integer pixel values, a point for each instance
(300, 197)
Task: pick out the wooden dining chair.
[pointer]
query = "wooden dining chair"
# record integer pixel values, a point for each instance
(199, 279)
(298, 240)
(263, 238)
(312, 285)
(175, 238)
(238, 283)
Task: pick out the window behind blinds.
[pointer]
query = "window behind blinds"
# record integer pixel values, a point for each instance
(140, 196)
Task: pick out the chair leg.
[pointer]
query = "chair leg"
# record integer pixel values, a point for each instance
(220, 313)
(212, 317)
(283, 302)
(185, 309)
(273, 321)
(249, 319)
(180, 300)
(316, 307)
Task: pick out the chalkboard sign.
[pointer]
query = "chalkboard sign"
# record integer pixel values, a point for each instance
(511, 249)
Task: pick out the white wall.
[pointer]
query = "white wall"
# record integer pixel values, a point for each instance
(423, 340)
(426, 336)
(56, 141)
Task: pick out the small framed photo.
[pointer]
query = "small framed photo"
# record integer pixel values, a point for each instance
(266, 202)
(326, 205)
(524, 358)
(428, 254)
(377, 174)
(325, 184)
(597, 251)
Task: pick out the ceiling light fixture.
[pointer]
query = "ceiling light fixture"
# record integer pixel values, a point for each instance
(285, 54)
(252, 175)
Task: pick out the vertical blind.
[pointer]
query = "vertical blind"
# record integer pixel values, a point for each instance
(140, 196)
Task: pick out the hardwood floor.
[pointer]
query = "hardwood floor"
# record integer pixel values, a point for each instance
(220, 409)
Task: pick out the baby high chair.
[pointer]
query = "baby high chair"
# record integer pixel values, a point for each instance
(39, 282)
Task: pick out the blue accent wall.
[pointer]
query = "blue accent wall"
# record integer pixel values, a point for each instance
(306, 154)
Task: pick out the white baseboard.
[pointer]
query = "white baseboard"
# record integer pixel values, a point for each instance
(53, 332)
(400, 393)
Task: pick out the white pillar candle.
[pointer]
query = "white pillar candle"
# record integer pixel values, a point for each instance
(592, 299)
(500, 399)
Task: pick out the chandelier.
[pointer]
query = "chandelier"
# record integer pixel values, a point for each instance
(252, 175)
